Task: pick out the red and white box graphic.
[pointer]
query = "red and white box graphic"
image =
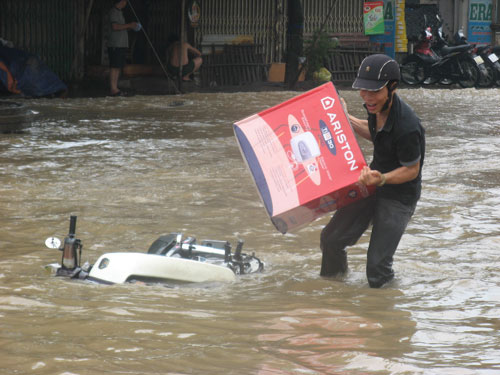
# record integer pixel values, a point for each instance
(304, 157)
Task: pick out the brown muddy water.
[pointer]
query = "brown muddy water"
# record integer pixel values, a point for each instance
(134, 168)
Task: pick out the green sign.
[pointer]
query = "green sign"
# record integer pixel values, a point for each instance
(373, 16)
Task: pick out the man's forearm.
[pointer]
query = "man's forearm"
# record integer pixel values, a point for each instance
(403, 174)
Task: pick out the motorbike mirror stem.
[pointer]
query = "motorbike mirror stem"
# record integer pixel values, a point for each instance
(71, 244)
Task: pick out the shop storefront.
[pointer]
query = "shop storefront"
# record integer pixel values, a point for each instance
(404, 21)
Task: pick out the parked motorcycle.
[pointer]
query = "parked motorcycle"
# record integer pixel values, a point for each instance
(487, 75)
(413, 68)
(492, 63)
(434, 60)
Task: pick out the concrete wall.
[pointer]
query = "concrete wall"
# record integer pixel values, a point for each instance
(454, 14)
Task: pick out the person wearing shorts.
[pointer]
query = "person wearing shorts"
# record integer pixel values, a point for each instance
(191, 58)
(186, 69)
(118, 44)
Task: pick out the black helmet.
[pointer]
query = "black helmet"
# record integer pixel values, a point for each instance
(375, 71)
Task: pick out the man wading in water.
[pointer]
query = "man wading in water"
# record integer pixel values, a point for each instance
(396, 169)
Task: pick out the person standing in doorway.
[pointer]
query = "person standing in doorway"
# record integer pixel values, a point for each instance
(118, 44)
(396, 170)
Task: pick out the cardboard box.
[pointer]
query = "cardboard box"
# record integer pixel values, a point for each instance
(277, 73)
(304, 157)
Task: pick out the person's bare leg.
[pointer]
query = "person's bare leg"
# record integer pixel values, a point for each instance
(114, 74)
(197, 63)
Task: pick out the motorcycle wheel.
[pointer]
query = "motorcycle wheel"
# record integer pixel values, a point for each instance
(412, 72)
(487, 77)
(470, 73)
(446, 81)
(497, 75)
(431, 80)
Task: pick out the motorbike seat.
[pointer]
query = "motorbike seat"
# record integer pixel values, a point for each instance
(428, 59)
(446, 50)
(482, 49)
(163, 244)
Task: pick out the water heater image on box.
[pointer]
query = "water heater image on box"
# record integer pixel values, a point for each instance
(304, 147)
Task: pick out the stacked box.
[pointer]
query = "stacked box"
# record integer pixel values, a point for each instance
(304, 157)
(401, 39)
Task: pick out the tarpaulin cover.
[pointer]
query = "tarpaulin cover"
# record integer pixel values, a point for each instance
(24, 73)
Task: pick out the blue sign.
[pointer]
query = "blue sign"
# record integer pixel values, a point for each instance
(479, 30)
(387, 40)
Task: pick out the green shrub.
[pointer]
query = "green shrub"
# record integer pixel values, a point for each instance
(317, 51)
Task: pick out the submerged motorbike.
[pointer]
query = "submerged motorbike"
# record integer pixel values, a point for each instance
(171, 258)
(434, 60)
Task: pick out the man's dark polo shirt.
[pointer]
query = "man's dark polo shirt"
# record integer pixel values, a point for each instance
(401, 142)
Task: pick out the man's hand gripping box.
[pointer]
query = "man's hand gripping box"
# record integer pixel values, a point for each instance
(304, 157)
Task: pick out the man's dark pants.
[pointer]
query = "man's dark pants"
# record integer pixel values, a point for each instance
(389, 218)
(117, 57)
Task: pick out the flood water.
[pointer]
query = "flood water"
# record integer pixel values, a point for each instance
(135, 168)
